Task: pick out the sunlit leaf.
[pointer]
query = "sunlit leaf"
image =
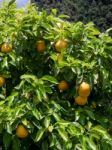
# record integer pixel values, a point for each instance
(39, 134)
(63, 134)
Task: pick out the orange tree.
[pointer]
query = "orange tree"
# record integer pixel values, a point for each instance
(55, 82)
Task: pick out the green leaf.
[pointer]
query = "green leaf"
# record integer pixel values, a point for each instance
(42, 90)
(48, 90)
(50, 79)
(5, 63)
(44, 145)
(94, 136)
(56, 105)
(52, 140)
(15, 143)
(47, 121)
(13, 57)
(95, 31)
(20, 85)
(1, 102)
(25, 122)
(11, 98)
(1, 128)
(54, 11)
(7, 140)
(63, 134)
(101, 131)
(91, 144)
(39, 95)
(29, 76)
(56, 142)
(8, 128)
(39, 134)
(36, 114)
(56, 116)
(75, 130)
(63, 122)
(88, 144)
(90, 114)
(11, 2)
(69, 145)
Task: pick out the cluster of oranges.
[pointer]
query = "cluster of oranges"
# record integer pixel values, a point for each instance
(59, 45)
(83, 91)
(21, 130)
(40, 46)
(4, 48)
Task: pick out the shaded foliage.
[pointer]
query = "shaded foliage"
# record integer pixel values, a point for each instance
(98, 11)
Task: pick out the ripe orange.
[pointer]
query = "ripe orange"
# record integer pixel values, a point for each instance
(63, 85)
(84, 89)
(2, 81)
(80, 100)
(6, 48)
(40, 46)
(21, 131)
(61, 44)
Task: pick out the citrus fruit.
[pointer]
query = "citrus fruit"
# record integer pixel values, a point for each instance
(21, 131)
(2, 81)
(40, 46)
(63, 85)
(84, 89)
(80, 100)
(6, 48)
(61, 44)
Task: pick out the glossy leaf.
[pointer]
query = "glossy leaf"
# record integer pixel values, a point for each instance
(39, 134)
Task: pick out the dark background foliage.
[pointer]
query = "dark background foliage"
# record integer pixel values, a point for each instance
(98, 11)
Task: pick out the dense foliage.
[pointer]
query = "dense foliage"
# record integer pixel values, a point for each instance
(98, 11)
(34, 113)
